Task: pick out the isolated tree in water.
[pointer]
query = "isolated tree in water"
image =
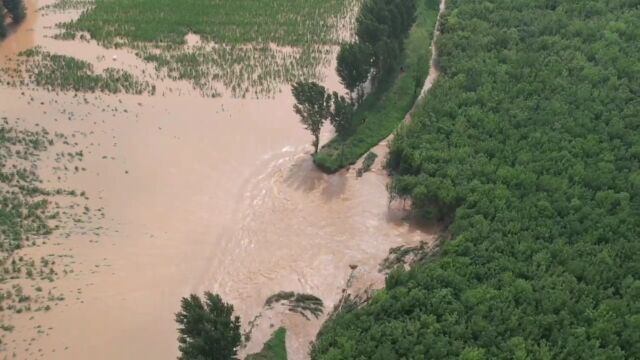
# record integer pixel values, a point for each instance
(354, 66)
(16, 9)
(313, 105)
(208, 330)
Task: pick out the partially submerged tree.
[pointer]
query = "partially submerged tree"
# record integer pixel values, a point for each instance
(16, 9)
(354, 66)
(208, 330)
(313, 105)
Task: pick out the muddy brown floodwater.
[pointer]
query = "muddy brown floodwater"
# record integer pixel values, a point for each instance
(199, 194)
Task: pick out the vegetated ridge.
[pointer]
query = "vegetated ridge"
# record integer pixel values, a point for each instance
(397, 85)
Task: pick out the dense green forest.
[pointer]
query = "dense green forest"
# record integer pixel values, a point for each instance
(529, 145)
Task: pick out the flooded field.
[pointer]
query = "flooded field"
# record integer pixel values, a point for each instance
(198, 194)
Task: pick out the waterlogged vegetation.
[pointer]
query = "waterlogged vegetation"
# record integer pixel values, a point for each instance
(29, 211)
(55, 72)
(529, 144)
(274, 349)
(297, 303)
(250, 48)
(29, 214)
(231, 22)
(26, 210)
(22, 297)
(401, 73)
(367, 163)
(255, 70)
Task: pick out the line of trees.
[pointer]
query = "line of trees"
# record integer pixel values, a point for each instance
(529, 143)
(381, 28)
(14, 9)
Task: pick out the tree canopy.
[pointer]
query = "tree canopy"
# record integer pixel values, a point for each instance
(207, 328)
(313, 105)
(382, 26)
(529, 144)
(3, 27)
(341, 115)
(16, 9)
(354, 65)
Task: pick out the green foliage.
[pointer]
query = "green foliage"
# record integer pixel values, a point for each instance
(529, 143)
(382, 111)
(260, 70)
(341, 114)
(274, 349)
(16, 10)
(298, 303)
(354, 65)
(270, 43)
(25, 210)
(313, 105)
(367, 163)
(382, 26)
(208, 330)
(60, 72)
(230, 22)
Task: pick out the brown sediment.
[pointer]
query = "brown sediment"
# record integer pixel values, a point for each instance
(199, 194)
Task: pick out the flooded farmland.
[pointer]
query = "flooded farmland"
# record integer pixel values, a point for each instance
(197, 194)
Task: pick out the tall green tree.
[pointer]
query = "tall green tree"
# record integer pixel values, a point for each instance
(341, 116)
(16, 9)
(313, 105)
(354, 66)
(207, 328)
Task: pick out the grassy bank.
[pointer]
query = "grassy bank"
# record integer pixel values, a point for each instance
(530, 144)
(382, 111)
(274, 349)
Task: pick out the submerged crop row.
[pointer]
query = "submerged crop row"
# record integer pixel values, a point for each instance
(60, 72)
(248, 48)
(243, 71)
